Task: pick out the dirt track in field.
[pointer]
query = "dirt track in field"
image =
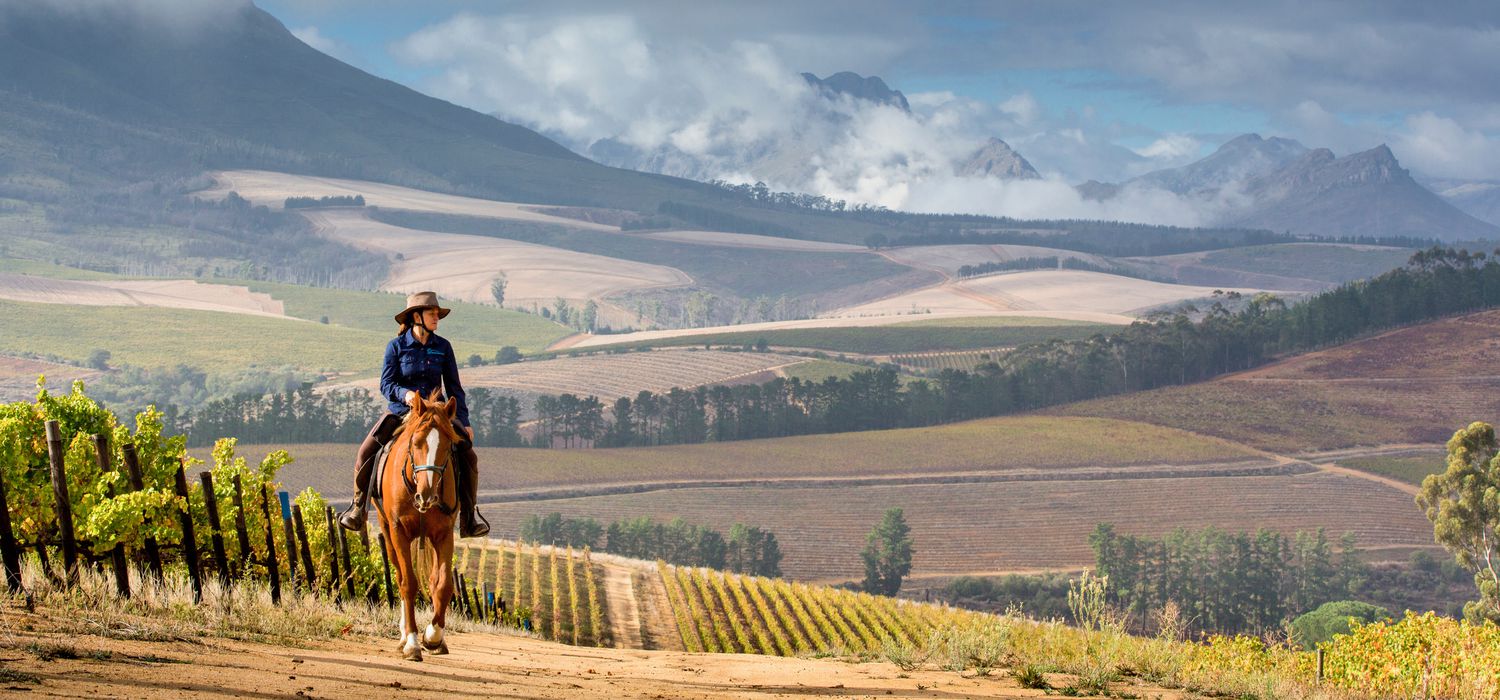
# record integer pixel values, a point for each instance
(480, 665)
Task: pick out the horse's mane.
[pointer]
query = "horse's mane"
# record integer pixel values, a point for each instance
(434, 413)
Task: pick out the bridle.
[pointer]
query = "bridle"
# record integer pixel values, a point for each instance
(412, 469)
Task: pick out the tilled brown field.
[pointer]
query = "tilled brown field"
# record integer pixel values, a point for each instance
(1010, 526)
(1414, 385)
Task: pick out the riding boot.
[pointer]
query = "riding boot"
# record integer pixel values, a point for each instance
(470, 522)
(357, 514)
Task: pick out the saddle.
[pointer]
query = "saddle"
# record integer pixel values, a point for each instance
(377, 475)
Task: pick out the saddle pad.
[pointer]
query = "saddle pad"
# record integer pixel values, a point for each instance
(377, 475)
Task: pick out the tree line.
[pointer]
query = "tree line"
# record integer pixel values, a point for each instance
(746, 550)
(357, 200)
(1227, 582)
(305, 416)
(1144, 355)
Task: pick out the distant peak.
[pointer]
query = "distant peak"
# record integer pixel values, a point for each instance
(996, 159)
(857, 86)
(1381, 153)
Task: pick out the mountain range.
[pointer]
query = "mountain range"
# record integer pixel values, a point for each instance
(100, 92)
(1281, 185)
(103, 96)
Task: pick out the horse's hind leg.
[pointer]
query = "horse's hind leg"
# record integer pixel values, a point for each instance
(440, 582)
(411, 649)
(390, 553)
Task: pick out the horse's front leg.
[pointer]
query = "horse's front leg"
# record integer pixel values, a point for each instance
(411, 649)
(440, 582)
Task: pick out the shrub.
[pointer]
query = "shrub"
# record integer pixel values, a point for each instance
(1320, 625)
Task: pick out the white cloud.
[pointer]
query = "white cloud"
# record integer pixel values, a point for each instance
(311, 36)
(739, 111)
(1441, 147)
(1172, 147)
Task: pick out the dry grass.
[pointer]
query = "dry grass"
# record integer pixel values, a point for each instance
(170, 294)
(165, 612)
(272, 189)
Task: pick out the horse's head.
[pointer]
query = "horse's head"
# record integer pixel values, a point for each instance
(429, 439)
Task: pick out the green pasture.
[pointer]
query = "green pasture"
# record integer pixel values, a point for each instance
(472, 328)
(1411, 469)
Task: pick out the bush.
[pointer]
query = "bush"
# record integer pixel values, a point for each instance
(1420, 656)
(507, 355)
(1320, 625)
(99, 359)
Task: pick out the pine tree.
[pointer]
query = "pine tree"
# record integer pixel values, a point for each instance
(887, 554)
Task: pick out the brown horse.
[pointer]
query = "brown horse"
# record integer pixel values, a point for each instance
(418, 501)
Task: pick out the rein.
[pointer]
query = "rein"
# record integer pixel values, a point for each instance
(412, 469)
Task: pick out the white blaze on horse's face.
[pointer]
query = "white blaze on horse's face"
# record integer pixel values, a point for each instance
(427, 479)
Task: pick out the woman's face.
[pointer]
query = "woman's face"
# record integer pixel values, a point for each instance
(429, 318)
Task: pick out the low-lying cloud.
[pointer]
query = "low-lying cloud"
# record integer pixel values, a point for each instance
(739, 112)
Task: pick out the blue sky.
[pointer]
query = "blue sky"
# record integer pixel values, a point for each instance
(1172, 79)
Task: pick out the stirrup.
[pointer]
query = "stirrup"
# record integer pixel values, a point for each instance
(472, 524)
(356, 516)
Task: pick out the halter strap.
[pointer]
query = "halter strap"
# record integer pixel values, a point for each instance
(411, 462)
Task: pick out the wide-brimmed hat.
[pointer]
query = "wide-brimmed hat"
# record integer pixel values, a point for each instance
(422, 300)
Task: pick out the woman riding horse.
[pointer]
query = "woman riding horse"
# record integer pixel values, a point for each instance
(417, 362)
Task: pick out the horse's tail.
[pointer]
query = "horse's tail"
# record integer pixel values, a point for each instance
(422, 558)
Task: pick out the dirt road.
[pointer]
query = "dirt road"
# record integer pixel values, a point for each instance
(480, 665)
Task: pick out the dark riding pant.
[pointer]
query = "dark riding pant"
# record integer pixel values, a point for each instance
(381, 434)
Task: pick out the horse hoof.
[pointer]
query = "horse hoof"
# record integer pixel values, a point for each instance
(439, 649)
(413, 655)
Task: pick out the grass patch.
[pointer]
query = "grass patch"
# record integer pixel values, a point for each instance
(212, 341)
(10, 675)
(473, 328)
(1408, 468)
(44, 269)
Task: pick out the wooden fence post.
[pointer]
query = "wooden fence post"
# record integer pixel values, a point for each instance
(385, 563)
(309, 575)
(189, 539)
(344, 551)
(61, 505)
(273, 567)
(138, 483)
(333, 552)
(1319, 677)
(212, 502)
(10, 550)
(240, 528)
(116, 555)
(458, 600)
(291, 539)
(372, 594)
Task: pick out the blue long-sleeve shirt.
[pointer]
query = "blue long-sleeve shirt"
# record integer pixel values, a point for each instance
(412, 366)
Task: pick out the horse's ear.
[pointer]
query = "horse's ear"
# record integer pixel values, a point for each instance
(452, 407)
